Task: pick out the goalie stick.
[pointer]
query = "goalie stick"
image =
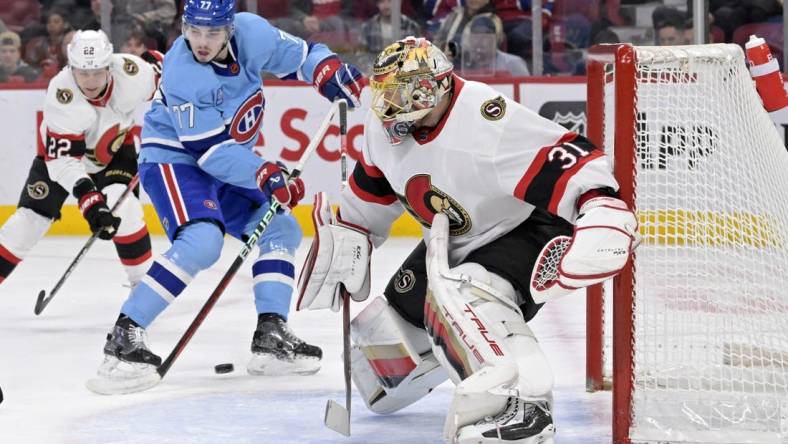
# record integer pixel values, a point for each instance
(337, 418)
(43, 300)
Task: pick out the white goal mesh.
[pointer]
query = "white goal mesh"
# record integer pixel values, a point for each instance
(710, 283)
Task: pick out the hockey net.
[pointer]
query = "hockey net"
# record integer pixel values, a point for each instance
(697, 327)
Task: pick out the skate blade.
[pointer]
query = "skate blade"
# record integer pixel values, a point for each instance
(337, 418)
(264, 364)
(104, 386)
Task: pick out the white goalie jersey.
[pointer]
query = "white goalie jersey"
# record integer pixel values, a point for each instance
(487, 165)
(78, 135)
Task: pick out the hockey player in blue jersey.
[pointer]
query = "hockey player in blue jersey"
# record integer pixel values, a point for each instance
(197, 166)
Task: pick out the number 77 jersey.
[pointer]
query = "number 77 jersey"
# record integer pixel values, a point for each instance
(487, 164)
(209, 114)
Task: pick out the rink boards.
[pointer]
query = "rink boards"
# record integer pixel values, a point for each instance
(293, 111)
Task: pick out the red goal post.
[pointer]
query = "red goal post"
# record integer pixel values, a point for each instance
(699, 334)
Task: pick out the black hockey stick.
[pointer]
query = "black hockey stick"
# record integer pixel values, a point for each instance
(43, 300)
(245, 250)
(337, 418)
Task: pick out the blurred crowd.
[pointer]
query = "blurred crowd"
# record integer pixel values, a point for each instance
(483, 37)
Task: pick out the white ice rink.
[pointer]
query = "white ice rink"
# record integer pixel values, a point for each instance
(45, 360)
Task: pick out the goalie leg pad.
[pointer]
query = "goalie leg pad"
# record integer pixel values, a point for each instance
(393, 365)
(479, 334)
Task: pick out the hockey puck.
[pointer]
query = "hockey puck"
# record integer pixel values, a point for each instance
(223, 368)
(1, 396)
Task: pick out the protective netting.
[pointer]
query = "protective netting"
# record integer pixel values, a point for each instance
(711, 276)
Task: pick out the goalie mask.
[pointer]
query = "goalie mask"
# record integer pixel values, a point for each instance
(409, 78)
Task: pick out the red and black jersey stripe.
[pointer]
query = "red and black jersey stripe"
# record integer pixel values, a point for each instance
(370, 185)
(7, 262)
(134, 248)
(58, 145)
(544, 183)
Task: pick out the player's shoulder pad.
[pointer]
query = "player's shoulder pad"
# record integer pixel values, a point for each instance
(187, 79)
(65, 108)
(487, 103)
(133, 75)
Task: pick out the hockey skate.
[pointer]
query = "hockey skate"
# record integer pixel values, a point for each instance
(276, 350)
(129, 366)
(520, 422)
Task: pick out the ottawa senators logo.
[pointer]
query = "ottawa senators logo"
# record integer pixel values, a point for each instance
(494, 109)
(423, 201)
(108, 144)
(404, 281)
(38, 190)
(130, 67)
(64, 95)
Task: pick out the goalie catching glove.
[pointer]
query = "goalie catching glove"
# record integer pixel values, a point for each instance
(604, 237)
(339, 256)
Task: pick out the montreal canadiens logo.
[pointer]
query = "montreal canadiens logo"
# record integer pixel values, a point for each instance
(247, 119)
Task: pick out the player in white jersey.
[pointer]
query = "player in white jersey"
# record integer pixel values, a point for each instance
(508, 182)
(86, 148)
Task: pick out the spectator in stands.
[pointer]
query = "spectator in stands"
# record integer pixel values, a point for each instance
(64, 46)
(668, 26)
(376, 33)
(93, 20)
(47, 47)
(134, 43)
(280, 13)
(516, 17)
(433, 13)
(730, 14)
(480, 54)
(323, 15)
(450, 33)
(12, 68)
(154, 16)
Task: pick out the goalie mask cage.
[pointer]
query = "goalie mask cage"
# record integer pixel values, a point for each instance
(699, 326)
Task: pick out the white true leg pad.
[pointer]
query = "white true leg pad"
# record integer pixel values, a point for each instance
(23, 230)
(392, 361)
(480, 336)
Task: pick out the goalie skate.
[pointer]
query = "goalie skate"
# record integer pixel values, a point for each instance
(520, 422)
(277, 351)
(128, 366)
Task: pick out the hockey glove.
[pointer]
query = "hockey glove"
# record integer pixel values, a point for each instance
(339, 256)
(605, 235)
(94, 209)
(271, 179)
(337, 80)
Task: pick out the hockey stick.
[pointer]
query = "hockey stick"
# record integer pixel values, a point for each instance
(337, 418)
(43, 300)
(247, 248)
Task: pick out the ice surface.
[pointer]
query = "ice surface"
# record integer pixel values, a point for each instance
(45, 360)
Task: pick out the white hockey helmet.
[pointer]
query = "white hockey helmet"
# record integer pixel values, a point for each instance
(89, 50)
(409, 78)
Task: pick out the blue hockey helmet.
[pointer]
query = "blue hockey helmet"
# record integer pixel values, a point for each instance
(209, 12)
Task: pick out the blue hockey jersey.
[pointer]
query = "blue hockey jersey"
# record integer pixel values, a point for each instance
(210, 114)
